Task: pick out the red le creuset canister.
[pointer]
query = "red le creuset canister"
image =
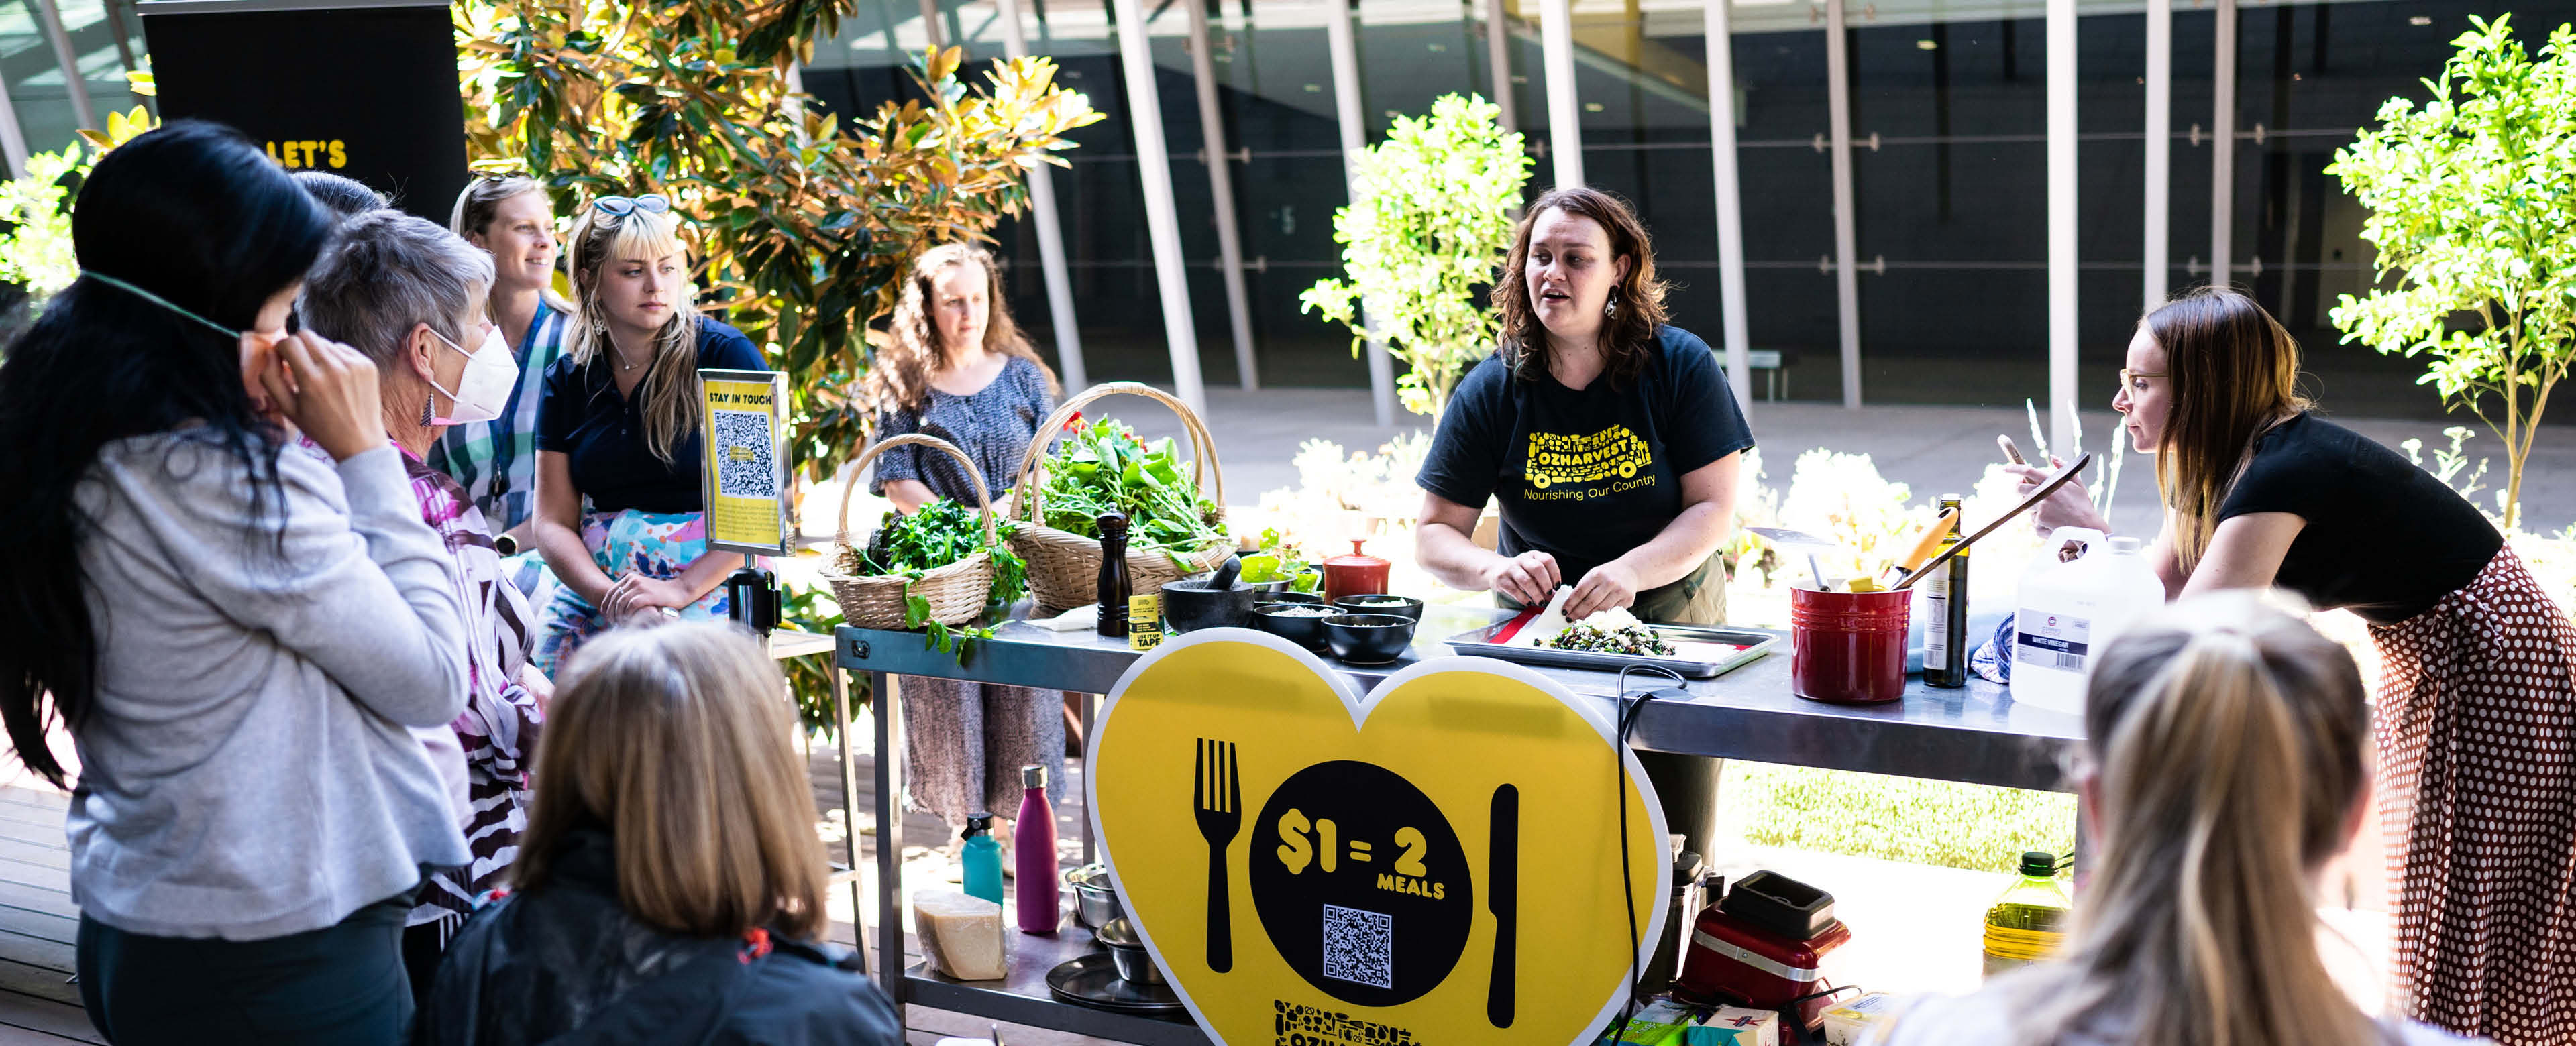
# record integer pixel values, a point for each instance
(1357, 574)
(1848, 648)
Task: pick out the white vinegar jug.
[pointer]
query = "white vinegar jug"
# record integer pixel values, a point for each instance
(2081, 592)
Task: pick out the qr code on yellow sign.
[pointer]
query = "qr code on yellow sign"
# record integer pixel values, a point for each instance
(745, 469)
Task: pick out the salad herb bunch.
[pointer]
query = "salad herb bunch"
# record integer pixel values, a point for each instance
(941, 533)
(1101, 467)
(1280, 561)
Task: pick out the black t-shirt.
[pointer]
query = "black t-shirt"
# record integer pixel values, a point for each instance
(602, 433)
(2383, 538)
(1585, 476)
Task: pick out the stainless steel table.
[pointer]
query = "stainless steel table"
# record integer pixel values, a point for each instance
(1975, 734)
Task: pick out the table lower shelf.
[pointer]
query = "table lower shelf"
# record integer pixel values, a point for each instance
(1023, 998)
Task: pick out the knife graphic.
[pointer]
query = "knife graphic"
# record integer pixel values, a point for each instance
(1502, 896)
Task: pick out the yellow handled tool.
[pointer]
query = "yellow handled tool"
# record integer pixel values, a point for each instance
(1930, 540)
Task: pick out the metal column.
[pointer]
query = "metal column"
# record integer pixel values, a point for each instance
(73, 85)
(930, 22)
(13, 139)
(2061, 223)
(2159, 174)
(1838, 119)
(2222, 148)
(1344, 45)
(1162, 224)
(1564, 115)
(1042, 217)
(1229, 239)
(1730, 211)
(1498, 53)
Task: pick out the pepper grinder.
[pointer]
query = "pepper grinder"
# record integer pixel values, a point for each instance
(1115, 587)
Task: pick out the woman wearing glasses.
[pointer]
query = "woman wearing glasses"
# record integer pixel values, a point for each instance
(620, 517)
(2477, 688)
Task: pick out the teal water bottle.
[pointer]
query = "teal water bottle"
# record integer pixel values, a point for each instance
(983, 859)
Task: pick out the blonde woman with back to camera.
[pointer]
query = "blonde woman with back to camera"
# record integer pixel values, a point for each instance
(2225, 766)
(669, 889)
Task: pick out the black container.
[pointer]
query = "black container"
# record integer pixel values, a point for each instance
(1400, 606)
(1191, 605)
(1782, 905)
(1368, 639)
(1304, 630)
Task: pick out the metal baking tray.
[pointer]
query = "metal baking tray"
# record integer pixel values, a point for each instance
(1691, 664)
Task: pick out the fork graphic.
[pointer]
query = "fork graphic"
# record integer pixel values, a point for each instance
(1219, 800)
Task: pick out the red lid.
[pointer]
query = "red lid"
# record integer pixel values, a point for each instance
(1357, 558)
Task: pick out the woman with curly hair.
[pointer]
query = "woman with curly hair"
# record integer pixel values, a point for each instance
(959, 369)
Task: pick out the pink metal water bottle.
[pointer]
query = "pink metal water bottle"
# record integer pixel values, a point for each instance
(1033, 850)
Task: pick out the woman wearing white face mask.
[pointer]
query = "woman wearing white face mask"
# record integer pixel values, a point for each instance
(410, 295)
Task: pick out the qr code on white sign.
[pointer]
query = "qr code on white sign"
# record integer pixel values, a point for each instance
(1359, 946)
(744, 468)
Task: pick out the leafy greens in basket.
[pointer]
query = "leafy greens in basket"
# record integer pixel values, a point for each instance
(1101, 467)
(942, 533)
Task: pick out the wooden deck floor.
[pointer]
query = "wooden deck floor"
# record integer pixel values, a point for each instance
(40, 1006)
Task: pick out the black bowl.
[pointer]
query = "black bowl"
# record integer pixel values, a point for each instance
(1306, 630)
(1368, 639)
(1264, 599)
(1190, 605)
(1400, 606)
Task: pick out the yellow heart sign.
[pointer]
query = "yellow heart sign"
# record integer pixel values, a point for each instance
(1439, 862)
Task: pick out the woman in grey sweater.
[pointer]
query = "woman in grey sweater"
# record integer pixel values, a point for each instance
(237, 634)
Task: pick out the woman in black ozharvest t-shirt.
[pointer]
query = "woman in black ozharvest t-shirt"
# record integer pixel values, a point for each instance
(1608, 439)
(2477, 688)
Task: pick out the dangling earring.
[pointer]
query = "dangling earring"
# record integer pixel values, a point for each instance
(428, 409)
(1612, 309)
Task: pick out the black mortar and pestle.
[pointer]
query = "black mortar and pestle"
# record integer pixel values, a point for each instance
(1217, 602)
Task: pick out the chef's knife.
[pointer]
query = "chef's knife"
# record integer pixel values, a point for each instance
(1502, 897)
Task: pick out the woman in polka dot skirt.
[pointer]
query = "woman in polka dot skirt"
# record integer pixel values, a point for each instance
(2476, 719)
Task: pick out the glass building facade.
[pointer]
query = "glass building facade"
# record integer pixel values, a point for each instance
(63, 66)
(1948, 105)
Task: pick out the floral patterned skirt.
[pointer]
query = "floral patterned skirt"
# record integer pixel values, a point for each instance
(630, 541)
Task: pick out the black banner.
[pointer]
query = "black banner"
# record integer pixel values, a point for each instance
(365, 91)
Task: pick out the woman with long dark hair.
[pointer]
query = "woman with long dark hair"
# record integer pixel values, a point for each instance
(235, 633)
(2478, 665)
(1608, 441)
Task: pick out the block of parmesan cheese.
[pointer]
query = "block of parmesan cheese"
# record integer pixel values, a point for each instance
(961, 936)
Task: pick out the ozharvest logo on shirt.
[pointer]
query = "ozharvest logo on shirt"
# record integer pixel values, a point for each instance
(1612, 453)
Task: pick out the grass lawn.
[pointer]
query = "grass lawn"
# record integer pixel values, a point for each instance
(1896, 818)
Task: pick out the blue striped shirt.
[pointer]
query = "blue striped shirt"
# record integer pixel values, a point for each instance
(496, 461)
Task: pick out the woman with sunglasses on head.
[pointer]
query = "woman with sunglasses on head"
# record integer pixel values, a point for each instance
(620, 514)
(2478, 665)
(235, 633)
(495, 461)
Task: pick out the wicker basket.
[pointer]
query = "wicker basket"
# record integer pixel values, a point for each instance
(1064, 567)
(957, 592)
